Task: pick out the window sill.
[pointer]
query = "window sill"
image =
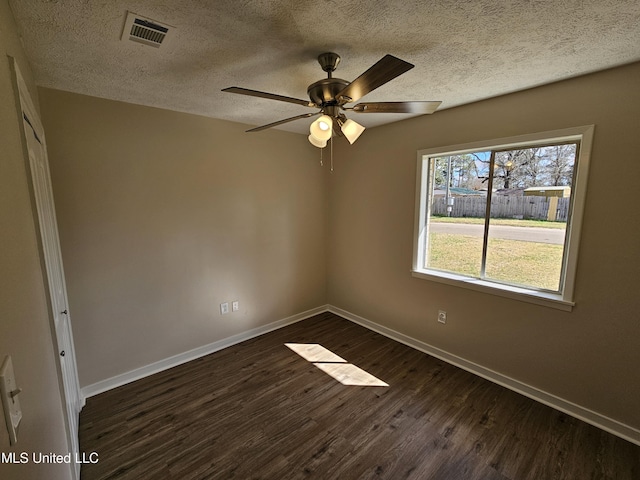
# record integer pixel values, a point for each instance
(552, 300)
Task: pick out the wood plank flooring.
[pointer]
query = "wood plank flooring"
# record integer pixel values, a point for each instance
(258, 410)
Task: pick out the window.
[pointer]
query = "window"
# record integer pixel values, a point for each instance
(504, 216)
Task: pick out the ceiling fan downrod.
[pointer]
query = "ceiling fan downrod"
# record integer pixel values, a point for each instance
(329, 62)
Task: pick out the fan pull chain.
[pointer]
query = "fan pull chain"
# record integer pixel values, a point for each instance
(321, 164)
(331, 154)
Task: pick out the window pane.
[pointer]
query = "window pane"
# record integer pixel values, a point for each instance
(529, 210)
(455, 225)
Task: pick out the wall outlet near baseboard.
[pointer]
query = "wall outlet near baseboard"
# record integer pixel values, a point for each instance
(224, 308)
(442, 316)
(235, 306)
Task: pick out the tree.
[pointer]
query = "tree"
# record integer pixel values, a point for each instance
(519, 168)
(559, 161)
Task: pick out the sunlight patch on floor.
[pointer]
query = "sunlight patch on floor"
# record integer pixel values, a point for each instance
(314, 352)
(348, 374)
(335, 366)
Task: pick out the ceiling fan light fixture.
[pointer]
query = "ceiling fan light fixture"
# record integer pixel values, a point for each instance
(316, 142)
(352, 130)
(321, 128)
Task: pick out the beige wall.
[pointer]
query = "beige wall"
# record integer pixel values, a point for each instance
(165, 215)
(25, 331)
(589, 356)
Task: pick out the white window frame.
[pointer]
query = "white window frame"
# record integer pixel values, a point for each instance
(562, 300)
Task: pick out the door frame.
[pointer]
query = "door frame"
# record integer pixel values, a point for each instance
(68, 379)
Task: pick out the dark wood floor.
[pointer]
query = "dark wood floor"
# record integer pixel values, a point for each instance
(260, 411)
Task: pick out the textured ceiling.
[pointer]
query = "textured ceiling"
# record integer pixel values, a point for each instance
(463, 50)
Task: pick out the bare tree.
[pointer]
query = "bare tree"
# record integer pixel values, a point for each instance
(559, 163)
(518, 168)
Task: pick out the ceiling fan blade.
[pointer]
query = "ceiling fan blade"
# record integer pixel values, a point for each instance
(286, 120)
(420, 108)
(271, 96)
(385, 70)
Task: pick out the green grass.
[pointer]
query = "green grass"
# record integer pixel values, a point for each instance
(528, 264)
(455, 253)
(513, 222)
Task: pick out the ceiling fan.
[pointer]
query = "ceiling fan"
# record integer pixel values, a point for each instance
(331, 95)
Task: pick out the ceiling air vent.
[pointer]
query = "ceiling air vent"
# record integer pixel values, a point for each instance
(144, 30)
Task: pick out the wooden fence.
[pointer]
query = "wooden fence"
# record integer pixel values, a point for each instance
(506, 206)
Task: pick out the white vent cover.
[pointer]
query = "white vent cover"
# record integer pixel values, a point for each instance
(144, 30)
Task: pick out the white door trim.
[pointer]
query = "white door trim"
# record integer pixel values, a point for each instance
(49, 244)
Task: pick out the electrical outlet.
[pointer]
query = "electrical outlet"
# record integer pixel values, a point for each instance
(442, 316)
(224, 308)
(235, 306)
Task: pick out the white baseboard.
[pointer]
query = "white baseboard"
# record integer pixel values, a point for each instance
(185, 357)
(605, 423)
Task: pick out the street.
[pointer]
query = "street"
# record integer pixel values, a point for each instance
(527, 234)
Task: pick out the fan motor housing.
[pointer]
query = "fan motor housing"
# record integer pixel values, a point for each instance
(323, 92)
